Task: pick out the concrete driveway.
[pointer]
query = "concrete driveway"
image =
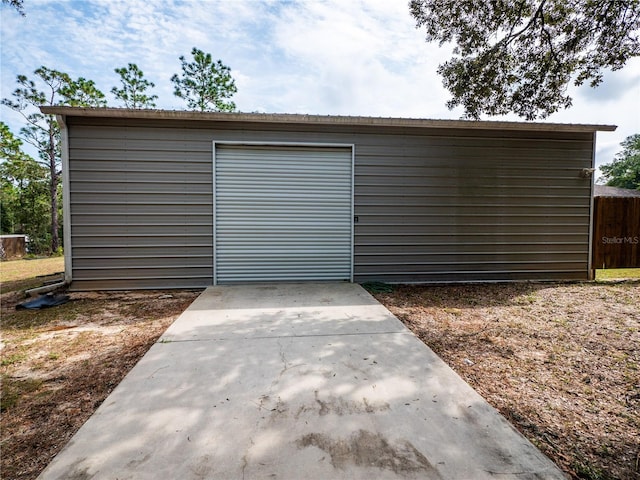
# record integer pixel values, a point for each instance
(295, 381)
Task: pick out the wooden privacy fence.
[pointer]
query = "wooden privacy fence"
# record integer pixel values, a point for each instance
(616, 232)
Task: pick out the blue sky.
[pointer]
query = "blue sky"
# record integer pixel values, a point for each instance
(343, 57)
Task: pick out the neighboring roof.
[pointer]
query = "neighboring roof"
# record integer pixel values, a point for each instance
(605, 191)
(319, 119)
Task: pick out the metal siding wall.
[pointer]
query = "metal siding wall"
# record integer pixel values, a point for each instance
(508, 206)
(283, 213)
(141, 202)
(432, 205)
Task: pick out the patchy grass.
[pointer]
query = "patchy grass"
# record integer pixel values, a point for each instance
(14, 270)
(59, 364)
(16, 389)
(12, 359)
(560, 361)
(618, 274)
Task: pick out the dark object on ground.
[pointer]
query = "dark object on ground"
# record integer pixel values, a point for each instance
(377, 287)
(43, 301)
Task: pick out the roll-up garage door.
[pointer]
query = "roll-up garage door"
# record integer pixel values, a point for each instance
(282, 213)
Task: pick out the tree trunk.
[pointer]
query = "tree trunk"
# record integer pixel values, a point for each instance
(55, 240)
(53, 192)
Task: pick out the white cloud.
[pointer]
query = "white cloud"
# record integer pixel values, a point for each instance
(357, 57)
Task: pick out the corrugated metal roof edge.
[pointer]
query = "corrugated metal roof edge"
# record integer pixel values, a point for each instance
(318, 119)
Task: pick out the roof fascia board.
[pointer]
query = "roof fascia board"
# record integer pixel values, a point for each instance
(303, 119)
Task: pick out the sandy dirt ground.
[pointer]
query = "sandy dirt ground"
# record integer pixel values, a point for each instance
(560, 361)
(59, 364)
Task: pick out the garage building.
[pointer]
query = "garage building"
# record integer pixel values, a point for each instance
(176, 199)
